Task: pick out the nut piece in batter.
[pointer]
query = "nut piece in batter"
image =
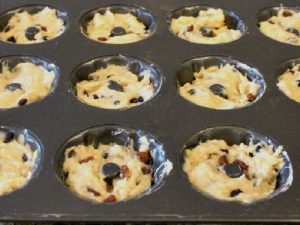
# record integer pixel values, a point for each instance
(116, 28)
(243, 173)
(25, 28)
(289, 83)
(24, 84)
(109, 173)
(115, 87)
(17, 161)
(208, 27)
(285, 27)
(222, 87)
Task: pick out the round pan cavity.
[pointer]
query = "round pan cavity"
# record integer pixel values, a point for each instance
(143, 15)
(237, 135)
(267, 13)
(30, 139)
(232, 19)
(31, 9)
(12, 61)
(134, 64)
(185, 72)
(121, 135)
(286, 65)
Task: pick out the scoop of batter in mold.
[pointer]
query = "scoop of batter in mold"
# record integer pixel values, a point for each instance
(206, 25)
(18, 158)
(289, 82)
(243, 172)
(118, 24)
(34, 24)
(114, 165)
(24, 80)
(219, 83)
(116, 82)
(281, 24)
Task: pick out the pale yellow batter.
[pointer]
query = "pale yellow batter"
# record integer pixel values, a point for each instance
(83, 166)
(285, 27)
(24, 84)
(16, 162)
(289, 83)
(205, 163)
(101, 26)
(45, 23)
(238, 90)
(191, 28)
(115, 87)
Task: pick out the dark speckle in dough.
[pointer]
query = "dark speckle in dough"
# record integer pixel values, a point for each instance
(137, 100)
(102, 39)
(105, 155)
(91, 190)
(13, 87)
(71, 153)
(235, 192)
(207, 32)
(223, 160)
(293, 31)
(24, 157)
(113, 85)
(7, 29)
(192, 91)
(96, 96)
(146, 170)
(117, 31)
(31, 32)
(190, 28)
(9, 136)
(22, 102)
(11, 39)
(116, 102)
(224, 150)
(251, 154)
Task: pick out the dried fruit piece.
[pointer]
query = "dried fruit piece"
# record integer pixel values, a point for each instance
(110, 199)
(91, 190)
(144, 157)
(124, 172)
(90, 158)
(24, 157)
(235, 192)
(223, 160)
(251, 97)
(242, 164)
(71, 153)
(22, 102)
(146, 170)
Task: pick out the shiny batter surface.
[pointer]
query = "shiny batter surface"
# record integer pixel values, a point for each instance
(101, 26)
(205, 163)
(115, 87)
(207, 28)
(289, 83)
(83, 166)
(16, 162)
(238, 90)
(24, 84)
(285, 27)
(44, 25)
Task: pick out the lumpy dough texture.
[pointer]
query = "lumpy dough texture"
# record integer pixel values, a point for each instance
(115, 87)
(207, 28)
(16, 162)
(260, 167)
(233, 89)
(24, 84)
(25, 28)
(285, 27)
(100, 28)
(289, 83)
(84, 166)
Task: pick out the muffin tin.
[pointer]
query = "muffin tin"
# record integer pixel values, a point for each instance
(167, 116)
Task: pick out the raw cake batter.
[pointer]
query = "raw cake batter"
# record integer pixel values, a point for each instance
(220, 88)
(16, 162)
(207, 28)
(289, 83)
(129, 171)
(115, 87)
(116, 28)
(285, 27)
(25, 28)
(243, 173)
(24, 84)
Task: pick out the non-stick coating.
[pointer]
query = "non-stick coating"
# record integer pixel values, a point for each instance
(168, 117)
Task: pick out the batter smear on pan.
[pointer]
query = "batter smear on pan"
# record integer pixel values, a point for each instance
(116, 28)
(221, 87)
(208, 27)
(243, 173)
(25, 28)
(289, 83)
(110, 172)
(24, 84)
(285, 27)
(115, 87)
(17, 161)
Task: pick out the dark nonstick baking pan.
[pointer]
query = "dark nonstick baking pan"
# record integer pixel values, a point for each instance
(170, 119)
